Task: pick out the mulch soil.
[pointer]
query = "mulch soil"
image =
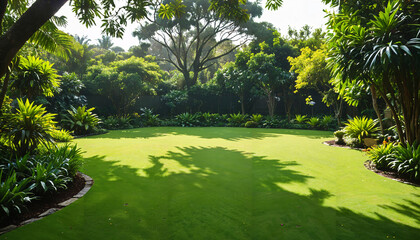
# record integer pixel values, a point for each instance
(37, 207)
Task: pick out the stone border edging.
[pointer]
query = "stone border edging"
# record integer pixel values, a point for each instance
(88, 186)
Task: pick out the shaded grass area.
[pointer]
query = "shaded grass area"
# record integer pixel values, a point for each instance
(177, 183)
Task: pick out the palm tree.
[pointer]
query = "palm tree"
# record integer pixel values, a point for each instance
(83, 40)
(105, 42)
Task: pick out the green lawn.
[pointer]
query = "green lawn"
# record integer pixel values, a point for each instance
(229, 183)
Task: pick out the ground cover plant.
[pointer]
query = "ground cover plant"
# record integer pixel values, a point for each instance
(229, 183)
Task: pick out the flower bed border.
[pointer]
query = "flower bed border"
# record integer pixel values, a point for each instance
(80, 194)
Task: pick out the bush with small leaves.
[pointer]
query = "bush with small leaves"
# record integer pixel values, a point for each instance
(61, 135)
(339, 137)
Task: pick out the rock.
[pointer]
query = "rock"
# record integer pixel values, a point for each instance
(82, 192)
(7, 229)
(48, 212)
(29, 221)
(67, 202)
(86, 177)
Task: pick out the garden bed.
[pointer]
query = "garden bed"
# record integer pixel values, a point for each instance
(391, 175)
(48, 204)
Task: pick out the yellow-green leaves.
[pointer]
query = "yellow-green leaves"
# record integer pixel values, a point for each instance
(171, 10)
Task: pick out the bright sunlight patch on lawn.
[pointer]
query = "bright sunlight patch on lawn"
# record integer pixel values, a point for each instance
(229, 183)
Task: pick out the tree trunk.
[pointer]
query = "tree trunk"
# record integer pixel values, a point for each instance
(33, 19)
(271, 102)
(338, 110)
(4, 89)
(242, 104)
(376, 107)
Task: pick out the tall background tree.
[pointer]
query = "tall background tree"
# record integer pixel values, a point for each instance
(379, 45)
(194, 37)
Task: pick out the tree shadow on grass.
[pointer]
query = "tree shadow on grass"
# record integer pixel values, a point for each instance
(410, 209)
(206, 193)
(227, 133)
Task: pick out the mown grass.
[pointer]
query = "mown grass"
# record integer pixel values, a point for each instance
(229, 183)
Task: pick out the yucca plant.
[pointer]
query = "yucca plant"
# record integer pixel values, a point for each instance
(300, 118)
(13, 193)
(313, 122)
(30, 126)
(406, 161)
(361, 128)
(81, 120)
(381, 155)
(237, 120)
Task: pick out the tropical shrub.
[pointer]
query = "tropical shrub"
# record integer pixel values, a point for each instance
(22, 166)
(300, 119)
(175, 100)
(30, 126)
(34, 77)
(211, 119)
(68, 95)
(117, 122)
(124, 122)
(67, 157)
(187, 120)
(256, 118)
(251, 124)
(380, 155)
(110, 122)
(46, 178)
(361, 128)
(61, 135)
(13, 193)
(81, 120)
(149, 119)
(314, 122)
(406, 161)
(272, 122)
(326, 122)
(237, 120)
(340, 137)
